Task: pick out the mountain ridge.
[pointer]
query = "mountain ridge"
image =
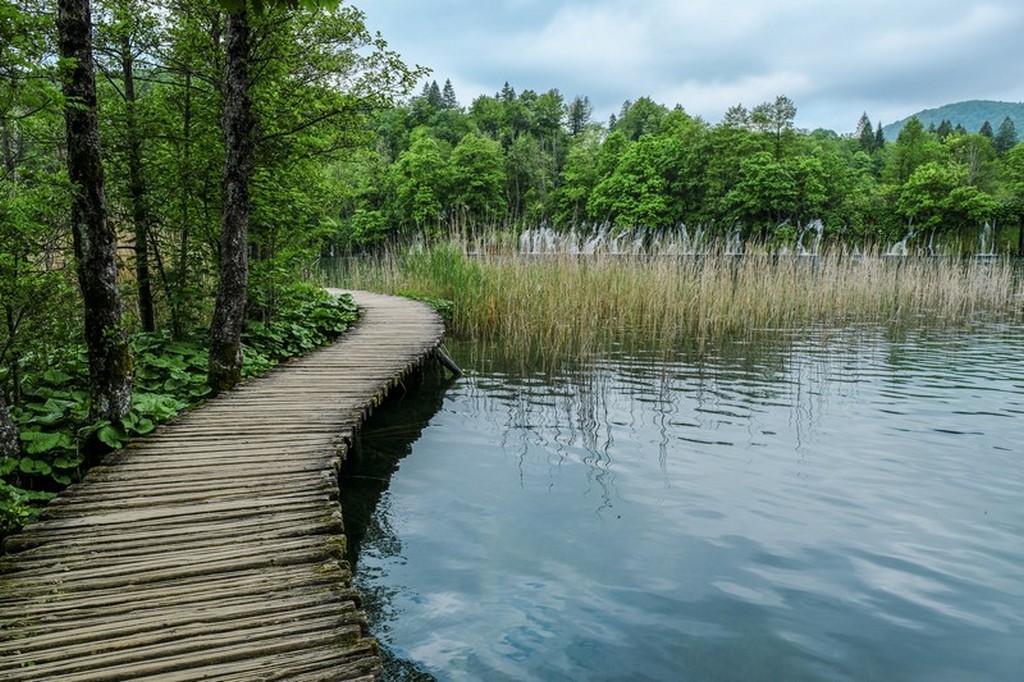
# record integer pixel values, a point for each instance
(971, 114)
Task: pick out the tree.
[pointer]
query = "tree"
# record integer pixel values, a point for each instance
(420, 178)
(776, 119)
(1015, 190)
(578, 114)
(866, 134)
(39, 308)
(225, 368)
(448, 98)
(737, 116)
(319, 73)
(529, 178)
(577, 179)
(1006, 136)
(640, 118)
(727, 147)
(925, 198)
(95, 243)
(914, 146)
(9, 445)
(128, 33)
(478, 178)
(977, 155)
(638, 193)
(767, 194)
(507, 94)
(986, 130)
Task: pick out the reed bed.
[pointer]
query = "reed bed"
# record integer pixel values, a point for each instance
(568, 304)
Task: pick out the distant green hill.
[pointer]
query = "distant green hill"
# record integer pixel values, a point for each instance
(971, 115)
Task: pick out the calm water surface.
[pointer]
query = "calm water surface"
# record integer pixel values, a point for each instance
(845, 506)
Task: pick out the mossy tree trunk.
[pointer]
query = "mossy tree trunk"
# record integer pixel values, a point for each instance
(237, 122)
(137, 191)
(9, 444)
(110, 362)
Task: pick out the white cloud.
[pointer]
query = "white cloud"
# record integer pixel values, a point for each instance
(834, 59)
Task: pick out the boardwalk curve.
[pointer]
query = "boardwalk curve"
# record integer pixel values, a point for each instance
(213, 549)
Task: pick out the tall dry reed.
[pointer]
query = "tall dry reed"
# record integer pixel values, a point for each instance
(564, 304)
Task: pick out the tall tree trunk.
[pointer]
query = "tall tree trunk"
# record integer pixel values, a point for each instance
(232, 290)
(184, 202)
(9, 444)
(137, 192)
(110, 362)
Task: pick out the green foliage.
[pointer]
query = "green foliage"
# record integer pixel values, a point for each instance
(652, 168)
(477, 178)
(639, 118)
(636, 193)
(939, 198)
(18, 506)
(970, 115)
(577, 180)
(305, 317)
(444, 307)
(455, 275)
(1006, 136)
(53, 418)
(914, 147)
(421, 181)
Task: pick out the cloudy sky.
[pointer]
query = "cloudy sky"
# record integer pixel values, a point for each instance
(834, 58)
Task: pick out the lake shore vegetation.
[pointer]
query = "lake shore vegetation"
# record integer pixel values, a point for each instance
(565, 303)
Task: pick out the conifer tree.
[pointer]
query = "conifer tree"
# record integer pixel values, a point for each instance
(578, 114)
(986, 130)
(736, 116)
(432, 93)
(866, 133)
(1006, 136)
(448, 98)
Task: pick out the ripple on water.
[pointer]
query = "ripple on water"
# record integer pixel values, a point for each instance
(845, 510)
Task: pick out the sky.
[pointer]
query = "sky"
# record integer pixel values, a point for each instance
(836, 59)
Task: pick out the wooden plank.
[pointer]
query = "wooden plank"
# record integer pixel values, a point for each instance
(212, 549)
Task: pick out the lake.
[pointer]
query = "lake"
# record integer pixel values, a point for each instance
(833, 505)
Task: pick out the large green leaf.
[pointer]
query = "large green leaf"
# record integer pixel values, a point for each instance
(40, 441)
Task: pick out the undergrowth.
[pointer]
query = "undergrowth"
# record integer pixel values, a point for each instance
(52, 414)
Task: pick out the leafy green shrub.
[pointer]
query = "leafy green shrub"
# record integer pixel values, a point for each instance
(306, 318)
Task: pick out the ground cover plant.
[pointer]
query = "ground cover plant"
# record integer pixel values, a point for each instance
(59, 438)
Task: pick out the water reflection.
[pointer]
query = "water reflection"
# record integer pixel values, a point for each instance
(385, 439)
(829, 505)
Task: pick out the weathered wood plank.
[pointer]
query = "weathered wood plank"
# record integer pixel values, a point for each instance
(212, 548)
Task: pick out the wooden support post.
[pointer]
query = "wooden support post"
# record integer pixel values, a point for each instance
(447, 362)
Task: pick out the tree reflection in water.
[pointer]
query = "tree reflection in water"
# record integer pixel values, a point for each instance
(384, 440)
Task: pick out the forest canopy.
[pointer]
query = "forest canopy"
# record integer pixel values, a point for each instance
(540, 159)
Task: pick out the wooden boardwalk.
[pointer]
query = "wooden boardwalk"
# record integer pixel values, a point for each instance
(213, 549)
